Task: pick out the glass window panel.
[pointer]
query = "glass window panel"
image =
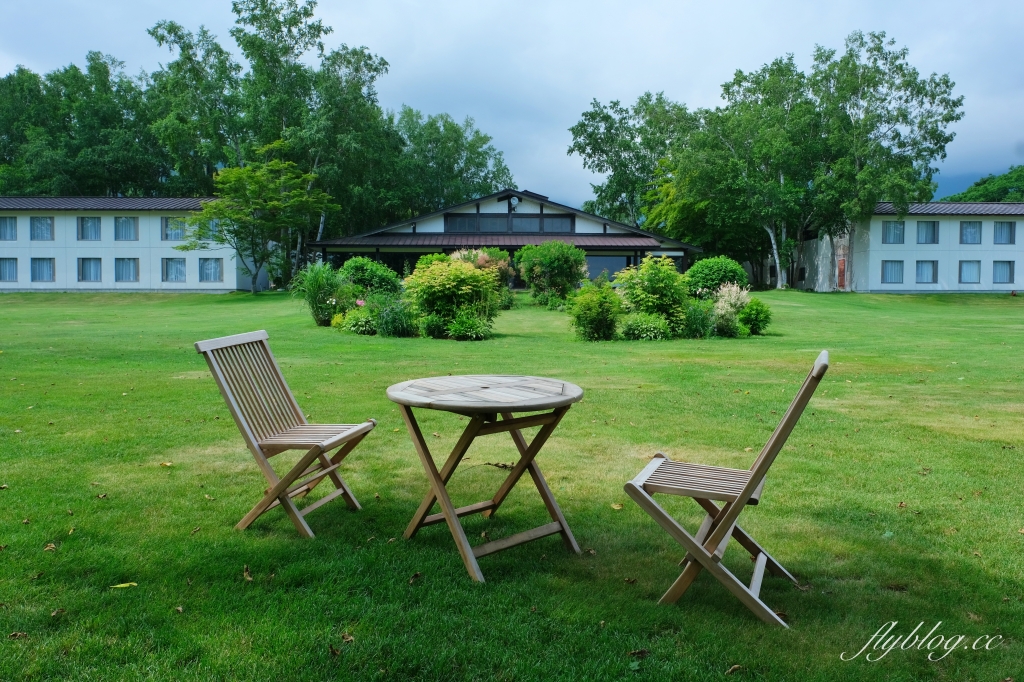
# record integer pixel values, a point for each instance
(1004, 233)
(88, 229)
(462, 223)
(8, 269)
(126, 229)
(211, 269)
(927, 271)
(522, 223)
(970, 271)
(42, 269)
(172, 229)
(40, 229)
(892, 272)
(970, 232)
(494, 223)
(557, 223)
(1002, 272)
(173, 269)
(892, 232)
(8, 229)
(89, 269)
(126, 269)
(927, 232)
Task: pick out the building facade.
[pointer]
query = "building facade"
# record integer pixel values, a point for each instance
(507, 220)
(107, 244)
(935, 247)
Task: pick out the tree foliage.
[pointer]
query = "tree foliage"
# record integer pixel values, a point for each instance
(1006, 187)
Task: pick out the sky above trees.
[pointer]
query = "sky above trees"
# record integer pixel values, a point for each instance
(527, 71)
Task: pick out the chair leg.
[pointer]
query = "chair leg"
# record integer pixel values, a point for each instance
(296, 516)
(748, 543)
(681, 584)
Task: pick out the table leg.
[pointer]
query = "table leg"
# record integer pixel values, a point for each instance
(438, 486)
(527, 453)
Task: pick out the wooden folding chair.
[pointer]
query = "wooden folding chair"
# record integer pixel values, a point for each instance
(271, 422)
(736, 488)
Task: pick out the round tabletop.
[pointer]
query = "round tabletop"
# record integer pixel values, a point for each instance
(485, 393)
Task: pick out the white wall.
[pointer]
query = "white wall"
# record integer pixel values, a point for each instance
(65, 249)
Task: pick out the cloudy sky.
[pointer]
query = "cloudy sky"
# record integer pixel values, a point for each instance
(525, 71)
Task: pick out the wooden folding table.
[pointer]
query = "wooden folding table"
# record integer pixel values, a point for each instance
(485, 398)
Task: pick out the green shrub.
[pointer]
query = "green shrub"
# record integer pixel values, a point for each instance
(556, 303)
(756, 316)
(706, 276)
(370, 275)
(359, 321)
(699, 320)
(468, 327)
(506, 300)
(645, 327)
(428, 259)
(593, 311)
(446, 288)
(541, 298)
(488, 258)
(726, 323)
(434, 327)
(346, 295)
(554, 266)
(392, 316)
(338, 321)
(655, 287)
(316, 284)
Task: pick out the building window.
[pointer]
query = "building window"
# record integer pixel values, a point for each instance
(970, 232)
(42, 269)
(88, 229)
(560, 223)
(892, 272)
(1002, 272)
(40, 230)
(801, 274)
(8, 269)
(1002, 232)
(172, 229)
(970, 271)
(126, 269)
(8, 229)
(211, 269)
(522, 223)
(464, 222)
(927, 271)
(493, 223)
(927, 231)
(172, 269)
(126, 229)
(89, 269)
(892, 232)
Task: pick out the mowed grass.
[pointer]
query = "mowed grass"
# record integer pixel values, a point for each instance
(898, 497)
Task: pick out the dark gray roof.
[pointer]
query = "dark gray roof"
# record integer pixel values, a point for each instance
(102, 203)
(476, 240)
(954, 208)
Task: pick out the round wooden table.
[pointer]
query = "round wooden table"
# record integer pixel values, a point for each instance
(484, 398)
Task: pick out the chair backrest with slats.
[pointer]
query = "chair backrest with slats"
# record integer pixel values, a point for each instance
(252, 385)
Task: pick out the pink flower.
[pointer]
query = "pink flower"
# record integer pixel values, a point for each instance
(360, 302)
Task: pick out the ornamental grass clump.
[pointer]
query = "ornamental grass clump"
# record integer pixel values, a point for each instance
(316, 284)
(730, 299)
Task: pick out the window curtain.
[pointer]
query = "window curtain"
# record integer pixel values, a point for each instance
(126, 229)
(892, 272)
(42, 269)
(173, 229)
(126, 269)
(557, 224)
(1002, 272)
(494, 223)
(8, 229)
(970, 232)
(970, 271)
(174, 269)
(8, 269)
(41, 229)
(927, 232)
(525, 224)
(88, 229)
(211, 269)
(1005, 233)
(89, 269)
(892, 232)
(926, 272)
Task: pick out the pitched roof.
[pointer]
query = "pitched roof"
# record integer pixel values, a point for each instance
(102, 203)
(954, 208)
(478, 239)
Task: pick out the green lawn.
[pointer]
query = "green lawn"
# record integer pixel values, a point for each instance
(897, 498)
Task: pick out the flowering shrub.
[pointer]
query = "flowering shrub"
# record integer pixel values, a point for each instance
(496, 260)
(447, 290)
(706, 276)
(645, 327)
(359, 321)
(554, 267)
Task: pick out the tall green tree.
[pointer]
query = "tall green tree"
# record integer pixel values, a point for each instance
(1006, 187)
(626, 143)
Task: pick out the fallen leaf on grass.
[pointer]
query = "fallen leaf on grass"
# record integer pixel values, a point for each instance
(616, 506)
(973, 616)
(415, 575)
(748, 449)
(70, 513)
(17, 635)
(50, 547)
(26, 521)
(37, 576)
(3, 487)
(101, 496)
(94, 483)
(436, 434)
(115, 587)
(782, 614)
(57, 613)
(195, 530)
(246, 574)
(1021, 531)
(640, 653)
(977, 554)
(592, 552)
(166, 464)
(209, 498)
(395, 430)
(3, 547)
(484, 535)
(347, 638)
(601, 624)
(498, 465)
(17, 430)
(334, 652)
(376, 496)
(533, 609)
(179, 609)
(72, 530)
(896, 587)
(803, 588)
(630, 581)
(901, 505)
(735, 668)
(390, 540)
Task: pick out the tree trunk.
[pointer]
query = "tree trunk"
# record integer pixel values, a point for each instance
(833, 274)
(255, 276)
(320, 232)
(775, 256)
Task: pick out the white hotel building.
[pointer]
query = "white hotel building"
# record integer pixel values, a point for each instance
(107, 244)
(935, 247)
